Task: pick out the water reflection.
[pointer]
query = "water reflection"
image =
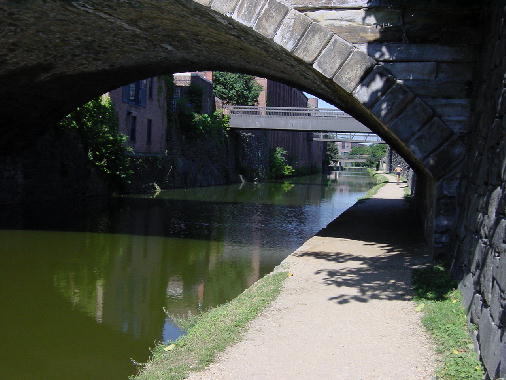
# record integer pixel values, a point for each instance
(83, 286)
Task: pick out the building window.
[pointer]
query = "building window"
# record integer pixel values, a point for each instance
(133, 128)
(136, 93)
(148, 132)
(150, 88)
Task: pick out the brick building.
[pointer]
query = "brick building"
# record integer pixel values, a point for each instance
(142, 113)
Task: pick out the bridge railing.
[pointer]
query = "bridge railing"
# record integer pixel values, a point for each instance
(298, 112)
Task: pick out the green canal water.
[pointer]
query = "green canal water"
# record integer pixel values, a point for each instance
(86, 288)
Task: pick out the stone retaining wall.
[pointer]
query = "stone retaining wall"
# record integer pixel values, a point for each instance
(479, 242)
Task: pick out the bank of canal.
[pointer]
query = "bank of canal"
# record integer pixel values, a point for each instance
(83, 286)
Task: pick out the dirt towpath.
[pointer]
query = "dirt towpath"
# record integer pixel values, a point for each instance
(347, 312)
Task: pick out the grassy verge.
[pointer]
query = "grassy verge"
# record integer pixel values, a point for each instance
(380, 179)
(439, 300)
(211, 332)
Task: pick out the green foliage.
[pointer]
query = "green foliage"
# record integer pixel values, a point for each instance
(375, 152)
(360, 150)
(217, 123)
(279, 167)
(97, 124)
(237, 89)
(332, 153)
(211, 332)
(438, 298)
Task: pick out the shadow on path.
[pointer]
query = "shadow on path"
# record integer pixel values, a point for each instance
(376, 265)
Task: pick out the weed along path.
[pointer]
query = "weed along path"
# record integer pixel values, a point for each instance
(346, 313)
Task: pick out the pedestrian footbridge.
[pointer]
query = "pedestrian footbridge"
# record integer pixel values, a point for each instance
(294, 119)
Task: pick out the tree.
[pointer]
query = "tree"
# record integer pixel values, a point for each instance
(236, 89)
(97, 124)
(360, 150)
(332, 153)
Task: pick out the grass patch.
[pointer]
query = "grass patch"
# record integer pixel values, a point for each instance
(380, 179)
(211, 332)
(439, 300)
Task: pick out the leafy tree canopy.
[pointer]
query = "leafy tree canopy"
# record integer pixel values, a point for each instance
(236, 89)
(97, 124)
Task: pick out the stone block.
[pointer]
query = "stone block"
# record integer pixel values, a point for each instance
(312, 43)
(448, 187)
(493, 202)
(225, 7)
(333, 56)
(442, 161)
(486, 277)
(467, 290)
(203, 2)
(439, 89)
(392, 103)
(490, 344)
(401, 52)
(432, 136)
(499, 272)
(353, 70)
(497, 304)
(450, 109)
(374, 86)
(292, 28)
(476, 309)
(247, 11)
(443, 224)
(360, 25)
(412, 70)
(477, 256)
(454, 71)
(270, 18)
(501, 108)
(357, 16)
(502, 368)
(411, 120)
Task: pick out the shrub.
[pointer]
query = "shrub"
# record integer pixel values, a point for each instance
(279, 164)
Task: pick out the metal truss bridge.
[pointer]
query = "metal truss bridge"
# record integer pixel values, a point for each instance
(364, 138)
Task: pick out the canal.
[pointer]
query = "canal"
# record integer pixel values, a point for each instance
(87, 287)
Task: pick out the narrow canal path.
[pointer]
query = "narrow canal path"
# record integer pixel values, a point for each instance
(347, 312)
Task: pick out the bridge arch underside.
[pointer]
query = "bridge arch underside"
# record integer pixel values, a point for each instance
(57, 55)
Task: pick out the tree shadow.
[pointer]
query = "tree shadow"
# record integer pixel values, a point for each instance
(392, 226)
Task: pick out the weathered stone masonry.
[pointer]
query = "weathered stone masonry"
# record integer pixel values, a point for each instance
(479, 246)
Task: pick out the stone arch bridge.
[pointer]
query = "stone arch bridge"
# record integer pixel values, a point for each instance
(408, 70)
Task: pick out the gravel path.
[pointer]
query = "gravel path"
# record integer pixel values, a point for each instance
(347, 312)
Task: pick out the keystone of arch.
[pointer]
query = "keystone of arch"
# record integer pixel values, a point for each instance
(391, 108)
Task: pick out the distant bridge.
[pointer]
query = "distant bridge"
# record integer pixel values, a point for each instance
(294, 119)
(348, 137)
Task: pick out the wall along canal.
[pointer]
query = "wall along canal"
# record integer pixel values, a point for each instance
(83, 285)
